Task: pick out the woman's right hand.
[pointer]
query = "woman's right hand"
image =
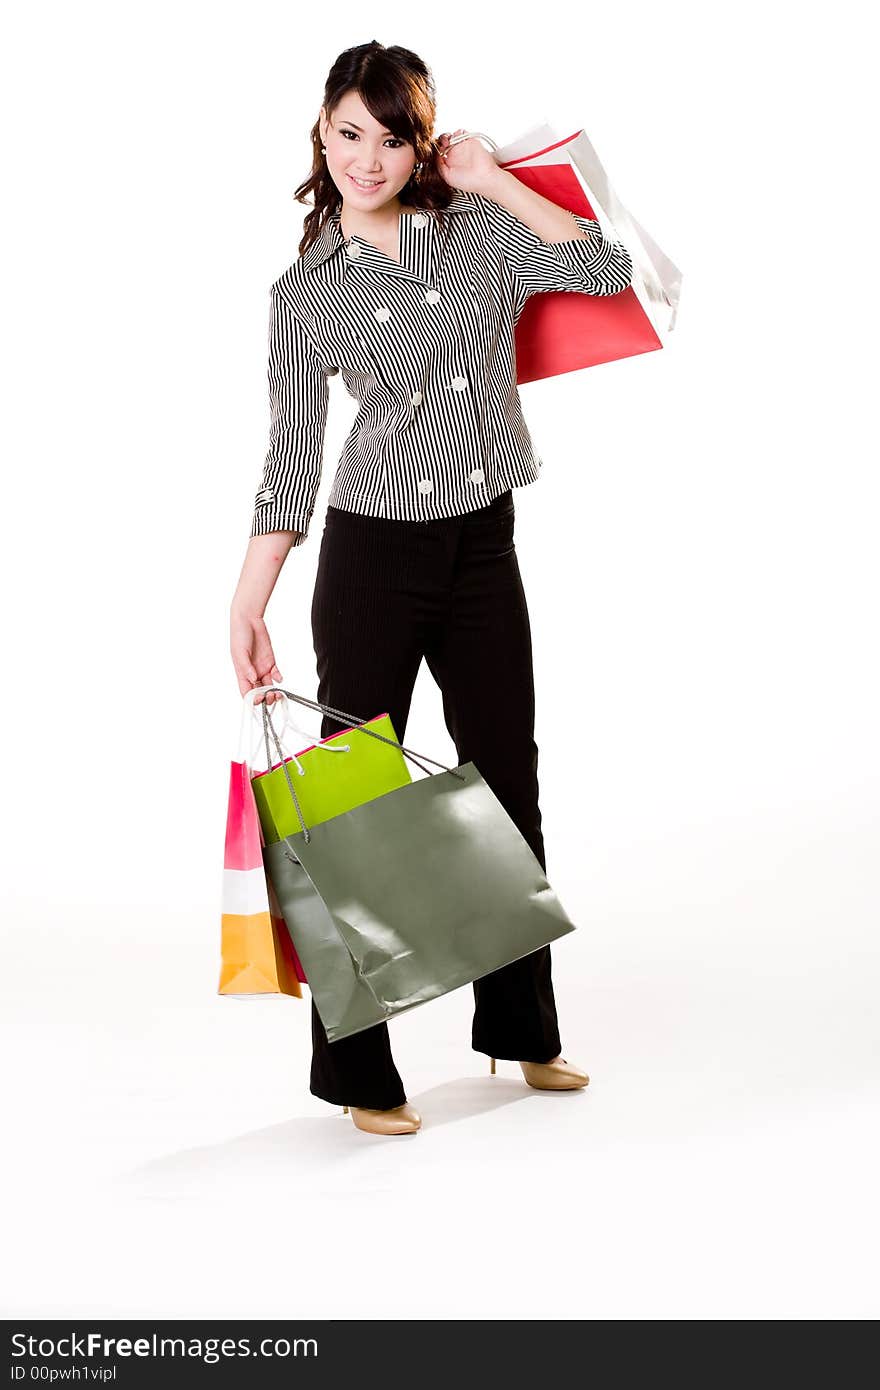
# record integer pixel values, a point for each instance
(252, 654)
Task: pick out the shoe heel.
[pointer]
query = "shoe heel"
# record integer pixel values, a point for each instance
(491, 1066)
(345, 1109)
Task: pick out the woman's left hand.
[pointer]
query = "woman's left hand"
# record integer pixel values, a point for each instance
(467, 165)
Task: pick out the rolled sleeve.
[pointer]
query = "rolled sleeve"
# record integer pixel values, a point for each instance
(593, 264)
(298, 397)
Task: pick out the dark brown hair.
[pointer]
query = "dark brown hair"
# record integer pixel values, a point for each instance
(398, 90)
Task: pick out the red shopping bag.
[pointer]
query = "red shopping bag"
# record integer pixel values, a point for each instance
(559, 332)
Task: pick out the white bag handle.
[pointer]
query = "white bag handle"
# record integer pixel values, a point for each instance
(248, 706)
(470, 135)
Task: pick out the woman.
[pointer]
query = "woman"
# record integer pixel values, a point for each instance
(415, 264)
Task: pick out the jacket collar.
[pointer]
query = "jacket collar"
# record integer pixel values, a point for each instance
(330, 242)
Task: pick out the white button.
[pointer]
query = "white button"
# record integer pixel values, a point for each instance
(419, 219)
(475, 304)
(425, 485)
(458, 383)
(266, 495)
(416, 397)
(476, 475)
(353, 249)
(383, 314)
(362, 341)
(433, 297)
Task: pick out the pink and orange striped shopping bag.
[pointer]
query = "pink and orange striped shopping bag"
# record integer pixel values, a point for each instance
(258, 956)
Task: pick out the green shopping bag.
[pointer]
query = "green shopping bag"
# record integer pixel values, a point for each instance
(409, 895)
(329, 777)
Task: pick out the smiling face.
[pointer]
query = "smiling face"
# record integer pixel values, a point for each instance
(368, 164)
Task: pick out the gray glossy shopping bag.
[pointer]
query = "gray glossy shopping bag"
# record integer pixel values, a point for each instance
(409, 896)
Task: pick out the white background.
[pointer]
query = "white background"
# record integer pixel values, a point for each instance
(700, 559)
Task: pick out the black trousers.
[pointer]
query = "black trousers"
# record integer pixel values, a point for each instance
(388, 593)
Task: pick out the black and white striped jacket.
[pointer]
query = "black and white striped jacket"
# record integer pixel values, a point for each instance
(426, 347)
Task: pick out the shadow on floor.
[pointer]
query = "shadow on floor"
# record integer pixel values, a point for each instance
(309, 1143)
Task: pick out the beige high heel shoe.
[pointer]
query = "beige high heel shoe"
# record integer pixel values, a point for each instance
(402, 1119)
(558, 1075)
